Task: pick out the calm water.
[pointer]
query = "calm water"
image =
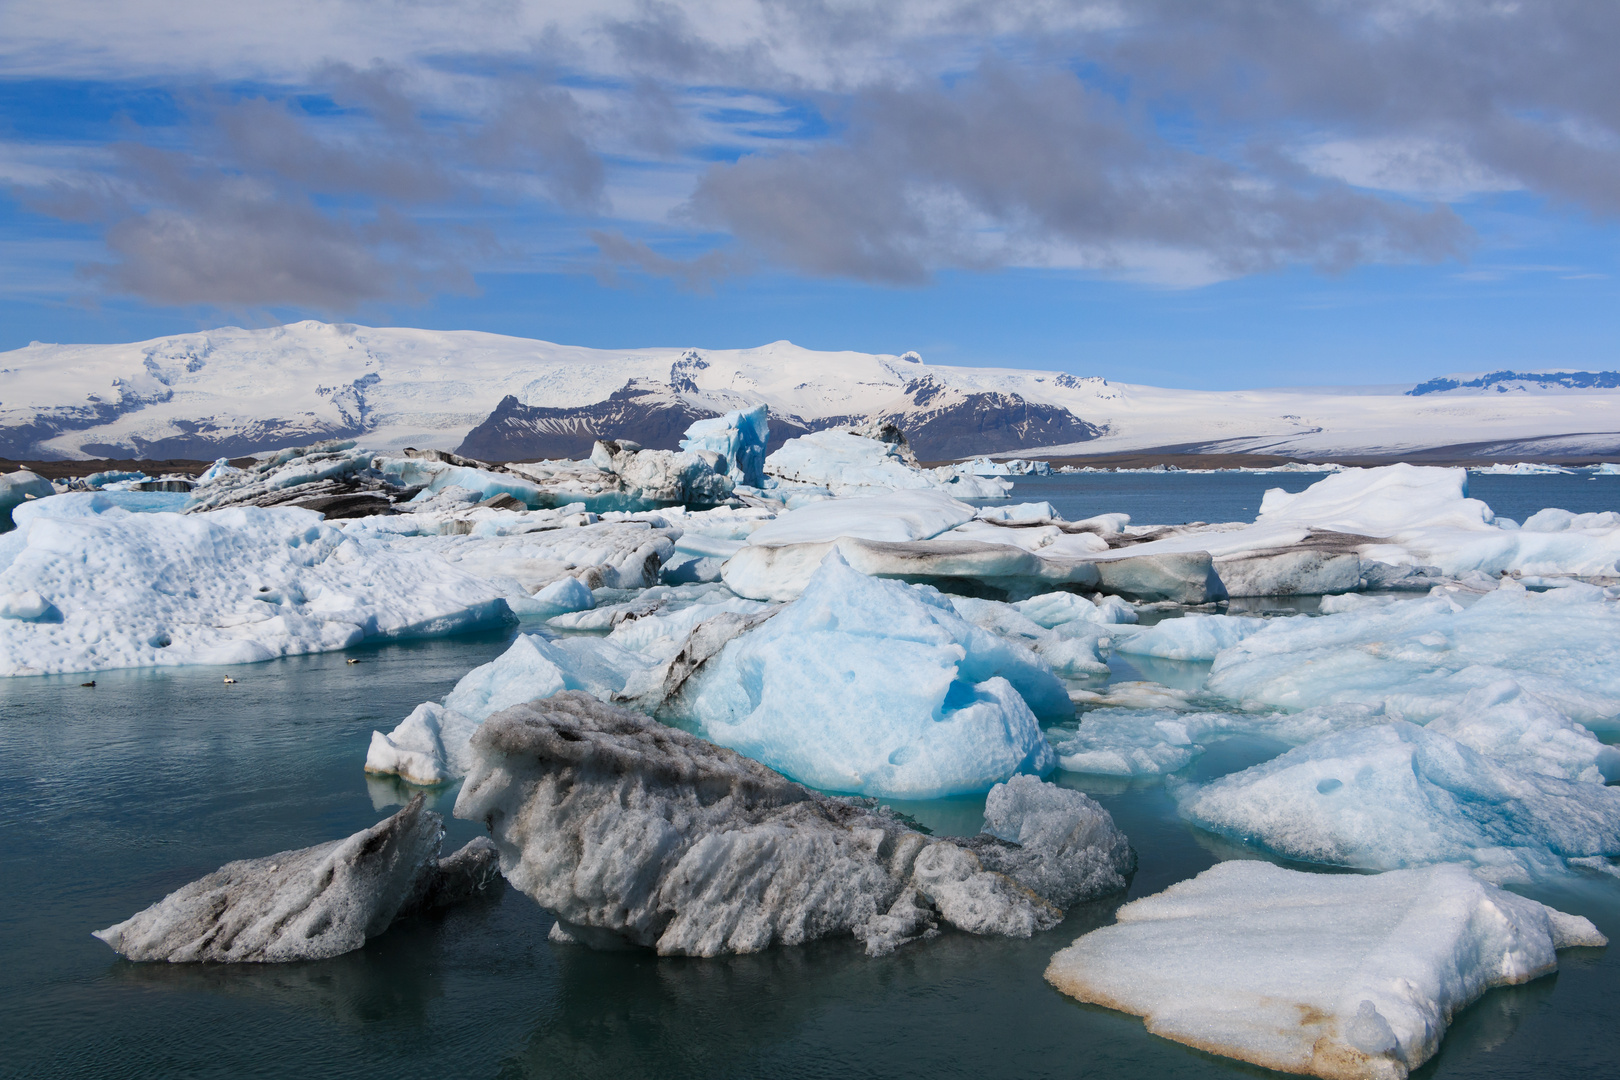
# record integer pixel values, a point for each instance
(115, 795)
(1177, 498)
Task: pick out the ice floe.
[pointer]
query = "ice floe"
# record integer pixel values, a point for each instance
(1339, 976)
(121, 589)
(1399, 795)
(313, 903)
(636, 833)
(1419, 655)
(880, 688)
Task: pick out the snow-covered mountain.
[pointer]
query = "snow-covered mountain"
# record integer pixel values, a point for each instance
(232, 391)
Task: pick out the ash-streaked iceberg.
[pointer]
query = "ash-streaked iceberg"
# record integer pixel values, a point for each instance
(1398, 795)
(313, 903)
(877, 687)
(636, 833)
(1333, 975)
(228, 587)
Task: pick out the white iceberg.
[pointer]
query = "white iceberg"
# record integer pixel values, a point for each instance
(1418, 656)
(1194, 636)
(1397, 795)
(845, 463)
(877, 687)
(1154, 741)
(1339, 976)
(635, 833)
(228, 587)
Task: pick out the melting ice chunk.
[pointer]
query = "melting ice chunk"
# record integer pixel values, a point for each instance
(1333, 975)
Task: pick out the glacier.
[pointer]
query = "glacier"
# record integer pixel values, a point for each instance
(634, 833)
(313, 903)
(1340, 976)
(877, 687)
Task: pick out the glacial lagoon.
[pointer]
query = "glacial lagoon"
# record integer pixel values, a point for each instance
(117, 793)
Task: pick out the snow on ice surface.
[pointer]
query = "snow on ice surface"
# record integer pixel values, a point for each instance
(1417, 656)
(228, 587)
(520, 553)
(1340, 976)
(894, 517)
(877, 687)
(309, 904)
(849, 464)
(633, 832)
(1397, 795)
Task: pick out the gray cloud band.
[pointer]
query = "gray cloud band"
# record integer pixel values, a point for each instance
(1218, 139)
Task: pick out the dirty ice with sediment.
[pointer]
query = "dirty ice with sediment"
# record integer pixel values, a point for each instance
(726, 659)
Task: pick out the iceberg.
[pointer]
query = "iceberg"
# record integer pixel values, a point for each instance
(17, 488)
(1398, 795)
(1339, 976)
(1420, 655)
(877, 687)
(896, 517)
(737, 440)
(634, 833)
(313, 903)
(653, 645)
(1194, 636)
(228, 587)
(1155, 741)
(846, 463)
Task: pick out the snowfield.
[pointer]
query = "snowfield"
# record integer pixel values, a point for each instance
(233, 391)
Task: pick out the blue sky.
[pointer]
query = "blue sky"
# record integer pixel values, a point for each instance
(1211, 195)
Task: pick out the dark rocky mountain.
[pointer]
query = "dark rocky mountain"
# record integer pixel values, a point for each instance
(942, 422)
(653, 414)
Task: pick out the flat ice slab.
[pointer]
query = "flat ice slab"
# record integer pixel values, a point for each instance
(1339, 976)
(312, 903)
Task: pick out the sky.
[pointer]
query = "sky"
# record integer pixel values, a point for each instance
(1209, 193)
